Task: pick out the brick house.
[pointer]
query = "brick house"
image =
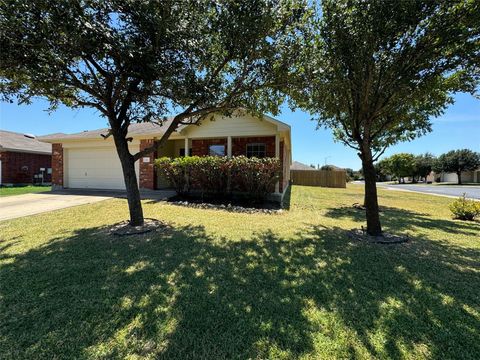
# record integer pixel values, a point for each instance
(24, 159)
(86, 160)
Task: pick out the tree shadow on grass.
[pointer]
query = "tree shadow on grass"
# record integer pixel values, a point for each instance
(396, 219)
(186, 294)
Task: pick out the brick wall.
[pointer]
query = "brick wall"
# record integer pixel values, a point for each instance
(57, 165)
(19, 168)
(147, 170)
(200, 147)
(282, 167)
(239, 145)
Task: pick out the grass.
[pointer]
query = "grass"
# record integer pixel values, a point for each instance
(224, 285)
(19, 190)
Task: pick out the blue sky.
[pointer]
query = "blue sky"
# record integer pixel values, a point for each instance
(458, 128)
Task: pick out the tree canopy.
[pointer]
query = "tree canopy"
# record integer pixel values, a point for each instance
(424, 164)
(401, 165)
(375, 72)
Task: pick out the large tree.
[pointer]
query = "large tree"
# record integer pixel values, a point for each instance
(137, 61)
(376, 71)
(458, 161)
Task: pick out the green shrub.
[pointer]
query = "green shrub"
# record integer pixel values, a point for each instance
(209, 175)
(218, 176)
(465, 209)
(253, 176)
(176, 171)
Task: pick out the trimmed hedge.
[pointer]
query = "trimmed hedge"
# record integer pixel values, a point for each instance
(220, 176)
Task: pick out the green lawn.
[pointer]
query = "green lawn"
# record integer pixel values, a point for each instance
(19, 190)
(223, 285)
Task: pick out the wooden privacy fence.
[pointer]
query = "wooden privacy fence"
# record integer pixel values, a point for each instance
(325, 178)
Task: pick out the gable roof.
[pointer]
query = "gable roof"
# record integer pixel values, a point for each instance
(296, 165)
(136, 130)
(17, 142)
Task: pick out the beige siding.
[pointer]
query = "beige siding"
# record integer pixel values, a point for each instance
(244, 125)
(134, 145)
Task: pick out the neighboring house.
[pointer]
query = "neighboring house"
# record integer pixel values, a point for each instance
(296, 165)
(467, 176)
(24, 159)
(86, 160)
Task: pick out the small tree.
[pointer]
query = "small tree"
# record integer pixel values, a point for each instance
(401, 165)
(458, 161)
(376, 71)
(424, 165)
(136, 61)
(327, 167)
(382, 170)
(350, 174)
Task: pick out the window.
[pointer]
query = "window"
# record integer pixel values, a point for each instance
(256, 150)
(182, 152)
(216, 150)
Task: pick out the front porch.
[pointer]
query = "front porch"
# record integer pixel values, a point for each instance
(258, 146)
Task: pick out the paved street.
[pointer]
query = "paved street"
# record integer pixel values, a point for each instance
(472, 192)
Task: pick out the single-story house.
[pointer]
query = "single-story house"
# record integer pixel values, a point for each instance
(467, 177)
(296, 165)
(24, 159)
(88, 161)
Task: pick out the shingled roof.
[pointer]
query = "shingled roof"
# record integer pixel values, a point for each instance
(135, 129)
(18, 142)
(296, 165)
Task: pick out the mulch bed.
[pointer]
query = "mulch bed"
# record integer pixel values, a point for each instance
(385, 238)
(123, 228)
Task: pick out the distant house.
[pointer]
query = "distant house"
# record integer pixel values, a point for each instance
(299, 166)
(467, 177)
(86, 160)
(24, 159)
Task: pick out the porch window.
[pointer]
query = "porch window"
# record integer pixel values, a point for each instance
(258, 150)
(216, 150)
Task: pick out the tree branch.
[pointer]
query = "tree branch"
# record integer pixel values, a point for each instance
(188, 113)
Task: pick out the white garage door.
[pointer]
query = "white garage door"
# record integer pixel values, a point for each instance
(94, 168)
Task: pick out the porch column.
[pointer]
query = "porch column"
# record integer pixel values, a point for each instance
(186, 147)
(229, 146)
(277, 156)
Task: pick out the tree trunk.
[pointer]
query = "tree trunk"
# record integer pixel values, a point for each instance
(459, 176)
(371, 201)
(130, 178)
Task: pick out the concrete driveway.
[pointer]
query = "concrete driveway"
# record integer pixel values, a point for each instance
(16, 206)
(12, 207)
(472, 192)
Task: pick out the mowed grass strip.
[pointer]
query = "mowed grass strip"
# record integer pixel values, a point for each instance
(224, 285)
(19, 190)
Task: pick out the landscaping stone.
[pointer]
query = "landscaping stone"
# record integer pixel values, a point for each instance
(228, 207)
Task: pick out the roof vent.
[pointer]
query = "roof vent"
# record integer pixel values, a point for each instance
(30, 136)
